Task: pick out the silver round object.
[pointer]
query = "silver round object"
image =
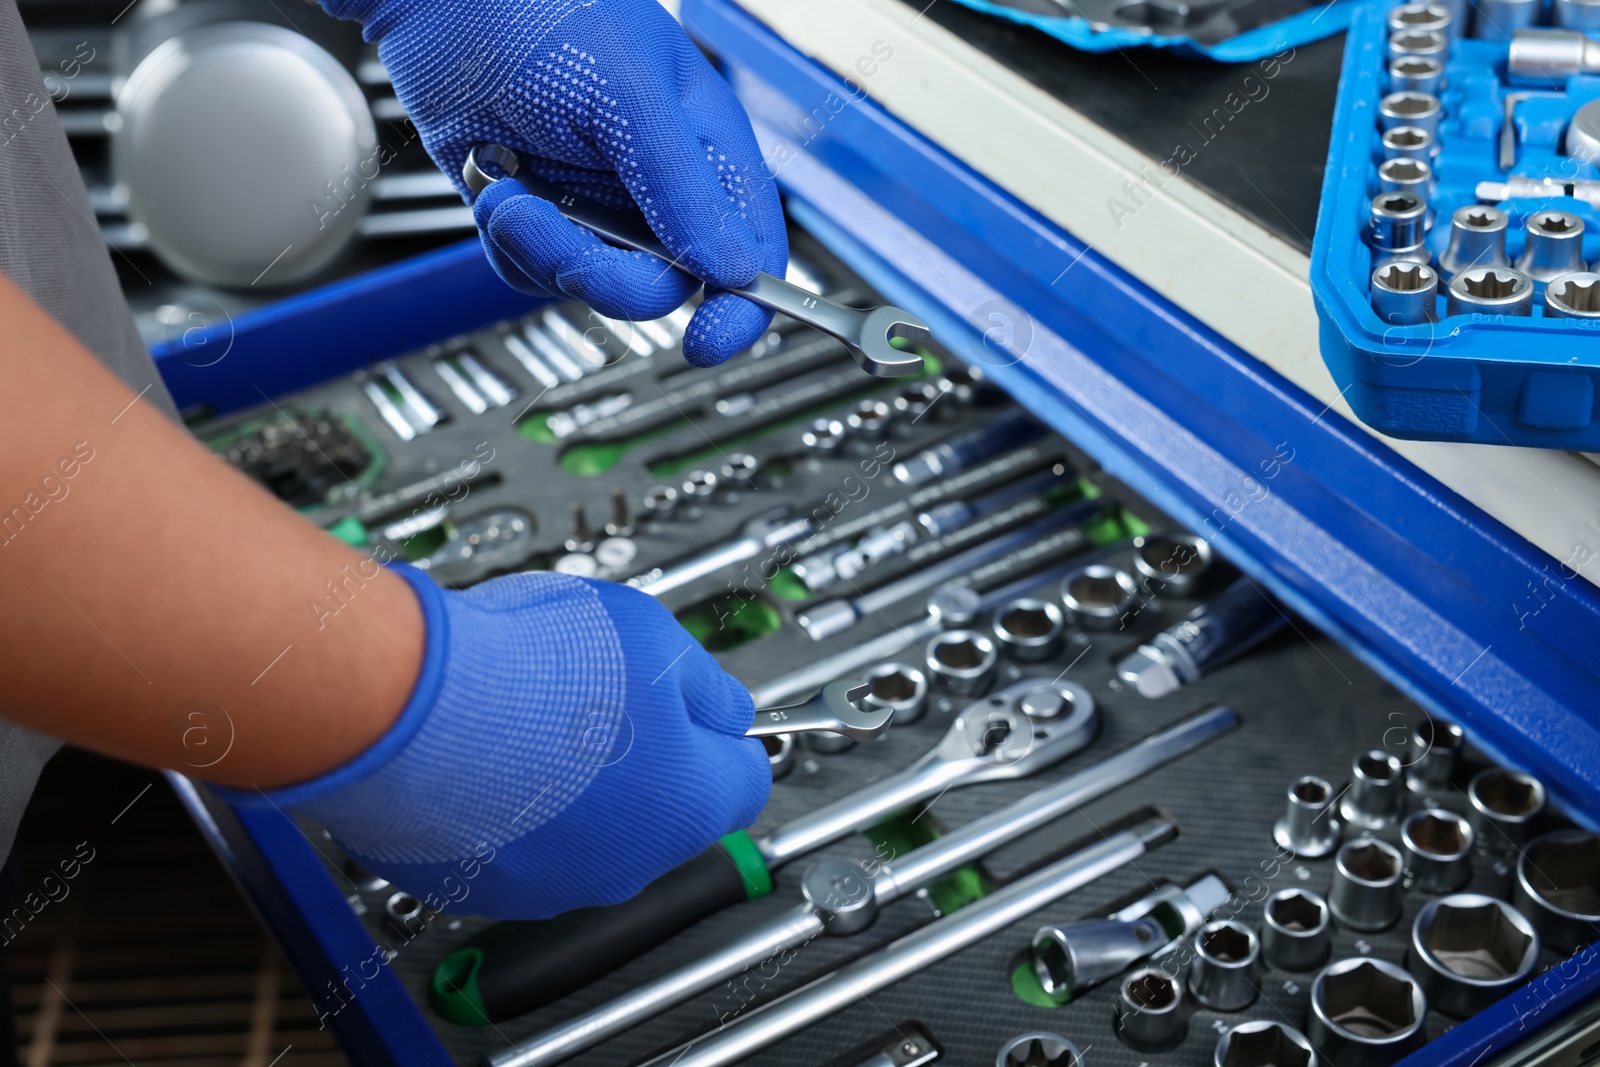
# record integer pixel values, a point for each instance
(1573, 296)
(1222, 974)
(1039, 1050)
(780, 753)
(1366, 893)
(1296, 934)
(1263, 1044)
(1366, 1013)
(1172, 563)
(1029, 629)
(1503, 807)
(1099, 597)
(963, 661)
(1149, 1014)
(1558, 888)
(1583, 133)
(901, 688)
(247, 152)
(1468, 951)
(1438, 850)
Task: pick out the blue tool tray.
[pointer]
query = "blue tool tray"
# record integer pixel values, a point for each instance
(1491, 379)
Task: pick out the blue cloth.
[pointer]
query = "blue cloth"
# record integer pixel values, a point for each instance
(567, 742)
(610, 99)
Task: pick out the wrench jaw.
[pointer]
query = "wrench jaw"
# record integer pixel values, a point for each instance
(871, 348)
(857, 723)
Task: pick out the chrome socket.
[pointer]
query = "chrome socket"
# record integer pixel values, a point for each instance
(1429, 43)
(1296, 930)
(1308, 827)
(1406, 176)
(962, 661)
(1558, 888)
(1437, 845)
(1172, 563)
(1405, 294)
(1071, 958)
(1543, 57)
(1503, 807)
(1555, 245)
(1263, 1044)
(780, 753)
(901, 688)
(914, 401)
(1148, 1013)
(1489, 291)
(1396, 223)
(1366, 1013)
(823, 435)
(1377, 787)
(1578, 14)
(1029, 629)
(1477, 239)
(1497, 20)
(1407, 108)
(868, 420)
(1582, 140)
(1467, 951)
(660, 502)
(1408, 142)
(1366, 885)
(1039, 1050)
(1573, 296)
(1435, 750)
(699, 486)
(740, 471)
(1222, 975)
(954, 606)
(1420, 17)
(405, 914)
(1415, 74)
(1099, 597)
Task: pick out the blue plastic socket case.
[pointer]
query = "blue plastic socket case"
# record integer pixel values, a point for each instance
(1492, 379)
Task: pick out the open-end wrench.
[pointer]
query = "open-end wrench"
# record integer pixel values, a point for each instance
(520, 966)
(866, 333)
(834, 711)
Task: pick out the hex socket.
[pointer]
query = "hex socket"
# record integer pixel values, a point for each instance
(1489, 291)
(1172, 563)
(1555, 245)
(1366, 1013)
(1408, 142)
(1308, 827)
(1405, 176)
(1558, 888)
(1099, 596)
(1497, 20)
(1503, 807)
(963, 661)
(1029, 629)
(1467, 951)
(1437, 845)
(1419, 17)
(1573, 296)
(1263, 1044)
(1403, 293)
(1296, 930)
(1408, 108)
(1578, 14)
(899, 687)
(1148, 1013)
(1073, 957)
(1430, 43)
(1377, 787)
(1477, 239)
(1435, 750)
(1396, 221)
(1416, 74)
(1222, 975)
(1366, 893)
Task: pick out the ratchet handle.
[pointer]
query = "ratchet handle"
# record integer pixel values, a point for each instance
(514, 967)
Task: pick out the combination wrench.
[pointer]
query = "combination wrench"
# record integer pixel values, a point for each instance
(834, 710)
(866, 333)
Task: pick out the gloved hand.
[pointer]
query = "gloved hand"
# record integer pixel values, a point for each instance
(610, 99)
(566, 743)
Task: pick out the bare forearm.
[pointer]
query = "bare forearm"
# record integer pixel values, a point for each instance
(156, 600)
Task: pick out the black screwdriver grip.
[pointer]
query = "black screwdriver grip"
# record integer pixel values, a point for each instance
(526, 965)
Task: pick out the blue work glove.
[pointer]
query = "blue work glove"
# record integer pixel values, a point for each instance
(610, 99)
(567, 743)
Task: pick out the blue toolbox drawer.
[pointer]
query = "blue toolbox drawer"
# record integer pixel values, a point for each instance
(1417, 600)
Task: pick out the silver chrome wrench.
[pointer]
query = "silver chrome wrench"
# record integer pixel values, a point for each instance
(834, 711)
(866, 333)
